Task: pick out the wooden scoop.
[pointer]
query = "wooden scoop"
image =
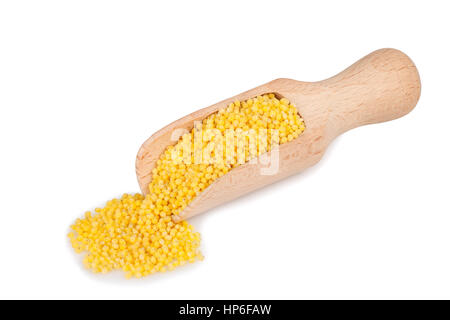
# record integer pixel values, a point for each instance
(382, 86)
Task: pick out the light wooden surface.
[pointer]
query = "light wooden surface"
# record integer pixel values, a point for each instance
(382, 86)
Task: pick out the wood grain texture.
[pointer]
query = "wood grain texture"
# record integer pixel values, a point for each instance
(382, 86)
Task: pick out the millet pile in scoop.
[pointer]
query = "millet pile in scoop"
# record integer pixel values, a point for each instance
(136, 233)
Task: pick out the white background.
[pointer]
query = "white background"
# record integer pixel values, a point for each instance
(84, 83)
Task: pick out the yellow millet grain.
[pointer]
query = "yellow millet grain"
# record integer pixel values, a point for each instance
(137, 234)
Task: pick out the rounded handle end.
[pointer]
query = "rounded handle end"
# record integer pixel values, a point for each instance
(382, 86)
(408, 79)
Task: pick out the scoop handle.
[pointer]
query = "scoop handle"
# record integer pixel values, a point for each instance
(382, 86)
